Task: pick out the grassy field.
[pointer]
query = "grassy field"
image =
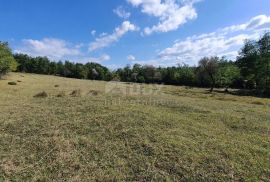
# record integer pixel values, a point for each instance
(167, 134)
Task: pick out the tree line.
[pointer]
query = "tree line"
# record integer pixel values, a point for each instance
(251, 70)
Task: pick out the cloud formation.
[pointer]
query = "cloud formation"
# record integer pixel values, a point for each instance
(102, 58)
(131, 58)
(256, 22)
(121, 12)
(50, 47)
(93, 32)
(223, 42)
(107, 40)
(171, 13)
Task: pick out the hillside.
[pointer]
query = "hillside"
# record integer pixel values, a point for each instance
(106, 133)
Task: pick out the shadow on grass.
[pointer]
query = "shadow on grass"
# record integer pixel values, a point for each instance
(245, 92)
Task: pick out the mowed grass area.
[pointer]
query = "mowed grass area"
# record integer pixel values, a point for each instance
(177, 134)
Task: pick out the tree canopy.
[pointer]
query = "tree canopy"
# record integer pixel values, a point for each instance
(7, 61)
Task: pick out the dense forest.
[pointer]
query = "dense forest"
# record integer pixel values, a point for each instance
(251, 70)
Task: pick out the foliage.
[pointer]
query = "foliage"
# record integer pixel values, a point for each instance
(227, 74)
(42, 65)
(7, 62)
(254, 63)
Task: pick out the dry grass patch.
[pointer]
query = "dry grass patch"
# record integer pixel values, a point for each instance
(61, 94)
(179, 135)
(76, 93)
(41, 95)
(94, 92)
(257, 103)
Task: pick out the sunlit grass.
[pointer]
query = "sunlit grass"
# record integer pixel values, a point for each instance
(176, 134)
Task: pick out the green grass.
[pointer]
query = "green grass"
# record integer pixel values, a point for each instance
(180, 134)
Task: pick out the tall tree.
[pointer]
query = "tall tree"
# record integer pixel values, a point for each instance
(263, 64)
(209, 65)
(7, 61)
(247, 62)
(228, 73)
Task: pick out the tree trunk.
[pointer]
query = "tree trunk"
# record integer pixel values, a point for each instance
(212, 88)
(213, 83)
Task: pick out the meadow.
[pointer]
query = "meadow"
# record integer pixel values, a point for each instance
(79, 130)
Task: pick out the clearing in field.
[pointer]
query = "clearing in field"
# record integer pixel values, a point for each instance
(88, 130)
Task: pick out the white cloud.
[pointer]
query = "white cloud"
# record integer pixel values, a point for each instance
(193, 48)
(121, 12)
(256, 22)
(88, 58)
(102, 58)
(131, 58)
(93, 32)
(171, 13)
(57, 49)
(223, 42)
(50, 47)
(103, 34)
(107, 40)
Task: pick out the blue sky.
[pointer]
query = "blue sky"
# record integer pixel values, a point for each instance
(120, 32)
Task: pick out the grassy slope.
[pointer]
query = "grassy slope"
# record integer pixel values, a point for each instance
(188, 135)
